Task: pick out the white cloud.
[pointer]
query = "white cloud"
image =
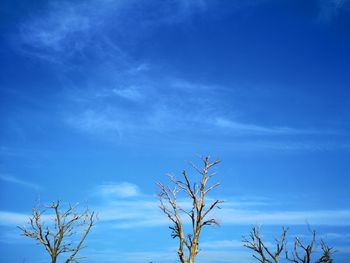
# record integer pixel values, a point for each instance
(168, 256)
(245, 128)
(12, 219)
(316, 217)
(121, 190)
(224, 256)
(130, 213)
(143, 211)
(12, 179)
(108, 255)
(221, 244)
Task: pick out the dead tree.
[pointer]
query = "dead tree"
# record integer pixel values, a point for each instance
(302, 253)
(327, 252)
(58, 234)
(264, 254)
(197, 214)
(299, 248)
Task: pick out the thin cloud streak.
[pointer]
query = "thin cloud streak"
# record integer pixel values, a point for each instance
(256, 129)
(163, 112)
(119, 107)
(144, 212)
(165, 256)
(316, 217)
(12, 218)
(221, 244)
(14, 180)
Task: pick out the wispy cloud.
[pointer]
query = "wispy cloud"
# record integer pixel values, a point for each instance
(244, 128)
(97, 123)
(131, 93)
(131, 109)
(316, 217)
(221, 244)
(121, 98)
(12, 219)
(123, 207)
(333, 235)
(11, 179)
(169, 256)
(109, 255)
(329, 9)
(62, 25)
(62, 30)
(131, 213)
(143, 211)
(65, 29)
(118, 190)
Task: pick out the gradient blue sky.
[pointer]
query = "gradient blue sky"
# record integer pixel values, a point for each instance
(99, 99)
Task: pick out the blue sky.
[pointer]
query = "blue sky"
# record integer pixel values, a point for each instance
(101, 98)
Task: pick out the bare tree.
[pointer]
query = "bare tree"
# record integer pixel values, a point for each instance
(264, 254)
(301, 252)
(299, 248)
(197, 214)
(58, 234)
(327, 252)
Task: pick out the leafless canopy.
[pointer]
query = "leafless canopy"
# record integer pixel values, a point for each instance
(57, 235)
(327, 253)
(301, 252)
(198, 212)
(263, 253)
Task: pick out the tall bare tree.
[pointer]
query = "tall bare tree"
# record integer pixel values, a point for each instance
(57, 234)
(264, 254)
(198, 212)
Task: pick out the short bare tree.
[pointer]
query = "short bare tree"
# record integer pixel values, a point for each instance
(301, 253)
(263, 253)
(56, 231)
(327, 253)
(197, 213)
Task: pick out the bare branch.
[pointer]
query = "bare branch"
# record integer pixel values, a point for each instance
(299, 247)
(55, 239)
(327, 253)
(196, 192)
(264, 254)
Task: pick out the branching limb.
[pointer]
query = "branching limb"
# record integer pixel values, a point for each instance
(263, 253)
(55, 238)
(196, 192)
(302, 253)
(327, 253)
